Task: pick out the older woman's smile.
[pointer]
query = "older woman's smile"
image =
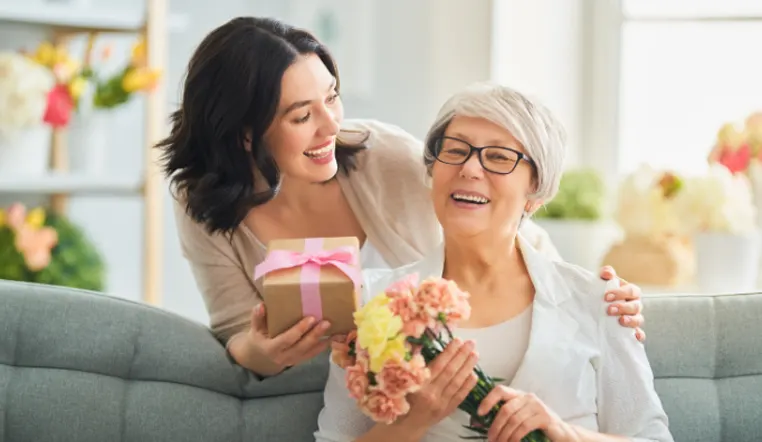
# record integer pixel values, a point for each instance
(468, 199)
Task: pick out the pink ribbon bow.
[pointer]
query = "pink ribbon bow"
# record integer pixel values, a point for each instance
(311, 260)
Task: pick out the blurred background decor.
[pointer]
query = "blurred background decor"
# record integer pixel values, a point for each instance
(738, 147)
(104, 93)
(25, 98)
(718, 212)
(654, 250)
(575, 218)
(41, 247)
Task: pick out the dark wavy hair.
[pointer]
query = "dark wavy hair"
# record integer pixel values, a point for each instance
(233, 85)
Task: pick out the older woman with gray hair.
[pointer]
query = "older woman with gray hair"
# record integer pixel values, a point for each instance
(494, 157)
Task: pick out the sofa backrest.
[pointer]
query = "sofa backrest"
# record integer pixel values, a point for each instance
(706, 354)
(86, 367)
(78, 366)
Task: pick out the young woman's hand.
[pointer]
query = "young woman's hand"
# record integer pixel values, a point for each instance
(302, 342)
(625, 303)
(452, 378)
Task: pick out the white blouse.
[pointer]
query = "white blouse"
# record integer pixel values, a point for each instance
(578, 360)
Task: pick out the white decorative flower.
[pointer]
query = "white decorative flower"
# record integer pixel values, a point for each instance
(644, 207)
(24, 88)
(718, 201)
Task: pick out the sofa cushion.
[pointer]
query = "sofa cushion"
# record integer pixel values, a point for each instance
(81, 366)
(707, 360)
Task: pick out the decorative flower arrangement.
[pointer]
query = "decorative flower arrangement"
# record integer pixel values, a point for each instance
(115, 90)
(33, 241)
(646, 206)
(69, 82)
(717, 201)
(25, 89)
(398, 333)
(580, 196)
(46, 248)
(738, 147)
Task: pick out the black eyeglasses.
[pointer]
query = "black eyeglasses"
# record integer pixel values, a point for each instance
(495, 159)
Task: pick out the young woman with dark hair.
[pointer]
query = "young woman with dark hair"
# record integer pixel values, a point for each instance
(259, 150)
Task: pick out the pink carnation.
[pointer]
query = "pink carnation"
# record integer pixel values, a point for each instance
(357, 381)
(414, 319)
(382, 408)
(456, 300)
(401, 378)
(340, 351)
(405, 286)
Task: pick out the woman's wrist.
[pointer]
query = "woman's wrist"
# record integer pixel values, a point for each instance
(245, 353)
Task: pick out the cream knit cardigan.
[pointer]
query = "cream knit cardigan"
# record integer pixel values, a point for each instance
(388, 193)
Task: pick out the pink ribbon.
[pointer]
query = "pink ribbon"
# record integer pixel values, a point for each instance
(311, 260)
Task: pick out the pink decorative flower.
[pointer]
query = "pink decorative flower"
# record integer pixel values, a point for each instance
(15, 215)
(342, 353)
(357, 381)
(415, 320)
(382, 408)
(456, 300)
(36, 246)
(401, 378)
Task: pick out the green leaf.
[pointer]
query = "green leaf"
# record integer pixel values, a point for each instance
(581, 195)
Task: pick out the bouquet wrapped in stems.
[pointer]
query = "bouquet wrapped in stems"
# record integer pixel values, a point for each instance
(398, 334)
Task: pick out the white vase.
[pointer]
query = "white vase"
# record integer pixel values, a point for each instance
(727, 263)
(26, 152)
(580, 242)
(89, 141)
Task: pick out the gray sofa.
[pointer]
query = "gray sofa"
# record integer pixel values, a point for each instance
(80, 366)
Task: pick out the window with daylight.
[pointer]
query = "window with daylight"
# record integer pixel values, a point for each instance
(687, 67)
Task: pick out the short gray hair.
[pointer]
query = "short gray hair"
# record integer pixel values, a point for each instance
(542, 136)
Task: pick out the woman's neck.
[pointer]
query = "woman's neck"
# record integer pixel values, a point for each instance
(302, 197)
(482, 262)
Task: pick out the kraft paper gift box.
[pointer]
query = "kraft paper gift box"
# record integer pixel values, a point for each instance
(318, 277)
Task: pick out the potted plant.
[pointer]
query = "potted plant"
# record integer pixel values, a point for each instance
(103, 94)
(718, 211)
(739, 148)
(37, 92)
(654, 251)
(47, 248)
(574, 218)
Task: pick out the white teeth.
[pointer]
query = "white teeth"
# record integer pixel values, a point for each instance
(317, 153)
(470, 198)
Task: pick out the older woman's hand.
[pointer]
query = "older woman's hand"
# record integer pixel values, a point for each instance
(625, 303)
(520, 414)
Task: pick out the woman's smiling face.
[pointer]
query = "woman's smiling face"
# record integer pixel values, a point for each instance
(469, 200)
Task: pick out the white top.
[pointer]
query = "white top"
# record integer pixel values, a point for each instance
(579, 361)
(370, 258)
(499, 358)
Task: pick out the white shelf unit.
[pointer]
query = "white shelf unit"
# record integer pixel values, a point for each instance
(63, 183)
(64, 22)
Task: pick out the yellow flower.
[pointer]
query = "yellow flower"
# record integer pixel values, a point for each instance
(45, 54)
(394, 350)
(76, 87)
(65, 70)
(2, 218)
(140, 79)
(375, 303)
(379, 334)
(36, 218)
(139, 54)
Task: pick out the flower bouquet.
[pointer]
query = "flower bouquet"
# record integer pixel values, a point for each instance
(398, 333)
(69, 82)
(46, 248)
(117, 89)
